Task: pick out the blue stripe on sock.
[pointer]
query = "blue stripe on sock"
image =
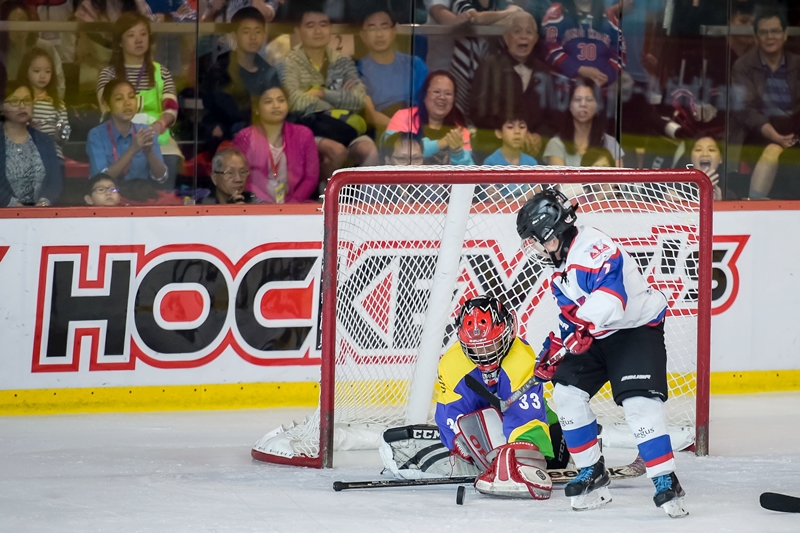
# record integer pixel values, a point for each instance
(581, 436)
(654, 448)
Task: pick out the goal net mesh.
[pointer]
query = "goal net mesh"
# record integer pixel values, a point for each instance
(388, 244)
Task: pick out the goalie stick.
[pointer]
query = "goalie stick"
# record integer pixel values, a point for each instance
(780, 502)
(561, 475)
(501, 405)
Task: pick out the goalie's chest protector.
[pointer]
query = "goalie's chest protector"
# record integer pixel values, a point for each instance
(605, 283)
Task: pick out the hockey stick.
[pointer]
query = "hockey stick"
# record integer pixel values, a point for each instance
(560, 475)
(780, 502)
(495, 401)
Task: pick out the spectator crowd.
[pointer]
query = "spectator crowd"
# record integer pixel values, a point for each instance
(133, 110)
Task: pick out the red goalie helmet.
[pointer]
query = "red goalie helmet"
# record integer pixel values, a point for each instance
(486, 329)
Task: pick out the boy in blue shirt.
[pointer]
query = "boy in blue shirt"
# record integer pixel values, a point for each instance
(512, 132)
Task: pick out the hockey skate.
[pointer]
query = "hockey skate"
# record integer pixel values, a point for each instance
(589, 489)
(669, 495)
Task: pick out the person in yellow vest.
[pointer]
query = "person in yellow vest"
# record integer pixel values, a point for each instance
(131, 59)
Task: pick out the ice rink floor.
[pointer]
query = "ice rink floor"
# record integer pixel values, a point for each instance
(192, 471)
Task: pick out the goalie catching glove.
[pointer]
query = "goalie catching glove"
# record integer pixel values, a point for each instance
(518, 471)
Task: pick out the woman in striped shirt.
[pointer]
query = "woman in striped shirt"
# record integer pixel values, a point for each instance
(131, 59)
(37, 68)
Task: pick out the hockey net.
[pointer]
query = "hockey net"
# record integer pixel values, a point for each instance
(405, 246)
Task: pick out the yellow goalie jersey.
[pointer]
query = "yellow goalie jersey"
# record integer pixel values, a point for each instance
(528, 419)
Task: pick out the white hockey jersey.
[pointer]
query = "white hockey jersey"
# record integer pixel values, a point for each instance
(605, 284)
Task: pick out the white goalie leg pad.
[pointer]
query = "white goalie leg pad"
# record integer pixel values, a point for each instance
(578, 423)
(519, 470)
(416, 452)
(483, 434)
(646, 418)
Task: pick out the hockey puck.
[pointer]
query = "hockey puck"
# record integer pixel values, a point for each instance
(460, 494)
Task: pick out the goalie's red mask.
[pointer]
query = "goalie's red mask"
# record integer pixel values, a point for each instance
(486, 329)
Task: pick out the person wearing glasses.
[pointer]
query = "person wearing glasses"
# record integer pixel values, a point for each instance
(30, 172)
(229, 172)
(403, 149)
(282, 157)
(102, 191)
(768, 119)
(392, 79)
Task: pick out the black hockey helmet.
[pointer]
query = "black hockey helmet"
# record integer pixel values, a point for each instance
(486, 329)
(549, 214)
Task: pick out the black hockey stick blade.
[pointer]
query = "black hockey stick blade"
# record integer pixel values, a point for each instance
(561, 475)
(389, 483)
(780, 502)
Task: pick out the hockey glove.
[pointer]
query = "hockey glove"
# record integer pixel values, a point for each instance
(551, 355)
(574, 332)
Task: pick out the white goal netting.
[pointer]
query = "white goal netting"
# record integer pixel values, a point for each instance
(391, 237)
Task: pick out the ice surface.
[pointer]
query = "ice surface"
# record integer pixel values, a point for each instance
(192, 471)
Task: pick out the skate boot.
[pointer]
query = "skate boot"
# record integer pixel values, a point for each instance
(669, 495)
(589, 489)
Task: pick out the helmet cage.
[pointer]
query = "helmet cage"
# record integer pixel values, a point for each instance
(486, 330)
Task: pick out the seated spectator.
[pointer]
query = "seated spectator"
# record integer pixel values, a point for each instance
(229, 175)
(15, 44)
(283, 159)
(324, 88)
(445, 138)
(769, 120)
(468, 51)
(506, 79)
(392, 79)
(596, 156)
(49, 112)
(512, 134)
(30, 173)
(234, 79)
(102, 191)
(581, 129)
(707, 158)
(119, 147)
(157, 107)
(582, 38)
(402, 149)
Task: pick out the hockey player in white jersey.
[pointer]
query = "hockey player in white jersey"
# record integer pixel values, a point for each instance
(611, 329)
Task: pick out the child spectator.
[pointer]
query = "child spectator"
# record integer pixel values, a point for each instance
(49, 112)
(322, 87)
(283, 160)
(234, 79)
(102, 191)
(445, 138)
(29, 170)
(707, 158)
(14, 44)
(229, 174)
(583, 39)
(512, 133)
(120, 148)
(402, 149)
(131, 59)
(596, 156)
(581, 129)
(392, 79)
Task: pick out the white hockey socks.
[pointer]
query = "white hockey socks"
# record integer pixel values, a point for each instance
(578, 424)
(646, 418)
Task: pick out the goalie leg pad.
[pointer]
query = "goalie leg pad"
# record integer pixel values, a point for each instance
(518, 471)
(416, 452)
(483, 435)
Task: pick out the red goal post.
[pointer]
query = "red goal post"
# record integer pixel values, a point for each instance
(404, 246)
